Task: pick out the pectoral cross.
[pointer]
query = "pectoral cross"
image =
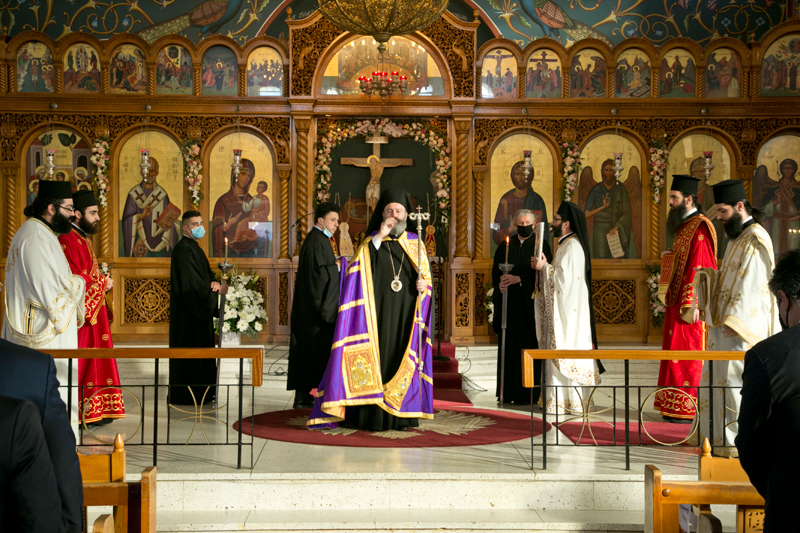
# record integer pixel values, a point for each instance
(376, 166)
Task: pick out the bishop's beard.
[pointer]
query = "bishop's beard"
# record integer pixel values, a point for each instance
(61, 224)
(398, 228)
(89, 229)
(557, 230)
(733, 226)
(675, 219)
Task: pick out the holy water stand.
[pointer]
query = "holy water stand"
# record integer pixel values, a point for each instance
(505, 268)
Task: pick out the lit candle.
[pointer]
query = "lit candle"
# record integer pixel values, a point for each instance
(506, 249)
(226, 249)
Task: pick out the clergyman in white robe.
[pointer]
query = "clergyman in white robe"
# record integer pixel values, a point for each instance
(740, 311)
(563, 322)
(44, 300)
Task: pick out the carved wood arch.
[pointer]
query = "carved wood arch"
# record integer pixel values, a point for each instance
(580, 46)
(129, 38)
(25, 37)
(635, 42)
(217, 40)
(649, 212)
(206, 204)
(66, 42)
(342, 40)
(718, 133)
(483, 212)
(114, 212)
(490, 45)
(173, 39)
(768, 39)
(266, 40)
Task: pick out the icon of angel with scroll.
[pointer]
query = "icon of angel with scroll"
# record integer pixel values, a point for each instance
(615, 228)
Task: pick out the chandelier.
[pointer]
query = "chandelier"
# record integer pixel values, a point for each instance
(382, 19)
(382, 85)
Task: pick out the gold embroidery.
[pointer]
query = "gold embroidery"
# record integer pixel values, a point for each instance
(105, 338)
(701, 238)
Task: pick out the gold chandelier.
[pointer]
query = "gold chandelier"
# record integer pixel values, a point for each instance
(382, 19)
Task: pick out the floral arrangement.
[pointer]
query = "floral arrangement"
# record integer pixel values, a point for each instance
(191, 169)
(571, 167)
(659, 153)
(244, 305)
(104, 268)
(424, 133)
(101, 154)
(656, 306)
(488, 304)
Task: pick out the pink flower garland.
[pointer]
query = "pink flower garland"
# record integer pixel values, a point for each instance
(659, 153)
(570, 168)
(101, 154)
(419, 132)
(191, 170)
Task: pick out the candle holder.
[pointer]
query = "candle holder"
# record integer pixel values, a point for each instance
(708, 167)
(237, 161)
(50, 164)
(145, 164)
(527, 167)
(618, 168)
(505, 268)
(225, 267)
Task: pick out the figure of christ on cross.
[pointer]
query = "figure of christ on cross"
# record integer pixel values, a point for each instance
(376, 166)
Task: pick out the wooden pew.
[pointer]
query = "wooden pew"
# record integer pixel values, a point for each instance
(103, 524)
(104, 484)
(662, 498)
(748, 517)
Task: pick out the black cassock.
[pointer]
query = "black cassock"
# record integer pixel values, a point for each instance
(395, 317)
(192, 308)
(314, 308)
(521, 321)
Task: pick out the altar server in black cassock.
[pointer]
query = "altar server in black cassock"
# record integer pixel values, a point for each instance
(314, 306)
(394, 311)
(193, 304)
(521, 322)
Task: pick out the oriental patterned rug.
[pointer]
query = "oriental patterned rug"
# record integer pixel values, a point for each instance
(451, 426)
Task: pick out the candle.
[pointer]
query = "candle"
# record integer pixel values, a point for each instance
(226, 249)
(506, 249)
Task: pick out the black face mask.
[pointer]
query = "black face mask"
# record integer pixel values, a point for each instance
(785, 323)
(524, 231)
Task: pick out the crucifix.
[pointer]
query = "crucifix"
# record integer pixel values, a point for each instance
(376, 166)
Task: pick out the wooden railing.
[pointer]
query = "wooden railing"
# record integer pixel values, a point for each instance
(528, 356)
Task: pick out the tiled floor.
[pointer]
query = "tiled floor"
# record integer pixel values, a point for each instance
(613, 501)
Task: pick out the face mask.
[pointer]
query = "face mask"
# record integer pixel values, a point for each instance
(524, 231)
(785, 323)
(198, 233)
(327, 233)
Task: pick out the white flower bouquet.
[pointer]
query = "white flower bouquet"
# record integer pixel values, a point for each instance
(244, 306)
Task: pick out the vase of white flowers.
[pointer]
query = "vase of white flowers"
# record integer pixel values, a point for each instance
(244, 308)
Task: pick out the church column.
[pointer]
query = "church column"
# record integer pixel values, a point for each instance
(478, 176)
(521, 86)
(242, 80)
(59, 76)
(151, 78)
(302, 126)
(105, 233)
(3, 77)
(284, 174)
(699, 81)
(461, 180)
(612, 80)
(10, 174)
(655, 83)
(105, 80)
(198, 79)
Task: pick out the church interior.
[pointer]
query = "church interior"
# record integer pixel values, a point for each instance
(492, 107)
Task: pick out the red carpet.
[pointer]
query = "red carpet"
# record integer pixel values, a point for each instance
(447, 383)
(454, 426)
(603, 432)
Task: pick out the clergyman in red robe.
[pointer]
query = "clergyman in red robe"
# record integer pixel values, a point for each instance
(100, 399)
(695, 246)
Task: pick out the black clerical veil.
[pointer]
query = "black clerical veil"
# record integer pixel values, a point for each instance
(573, 214)
(387, 197)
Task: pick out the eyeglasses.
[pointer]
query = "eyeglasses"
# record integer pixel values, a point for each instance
(68, 208)
(557, 219)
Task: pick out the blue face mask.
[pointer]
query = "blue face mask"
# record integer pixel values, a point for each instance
(199, 232)
(327, 233)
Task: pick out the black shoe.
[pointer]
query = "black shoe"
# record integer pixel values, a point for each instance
(676, 420)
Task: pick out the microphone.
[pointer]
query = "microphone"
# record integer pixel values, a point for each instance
(296, 222)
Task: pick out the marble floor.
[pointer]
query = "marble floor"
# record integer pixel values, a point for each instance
(301, 487)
